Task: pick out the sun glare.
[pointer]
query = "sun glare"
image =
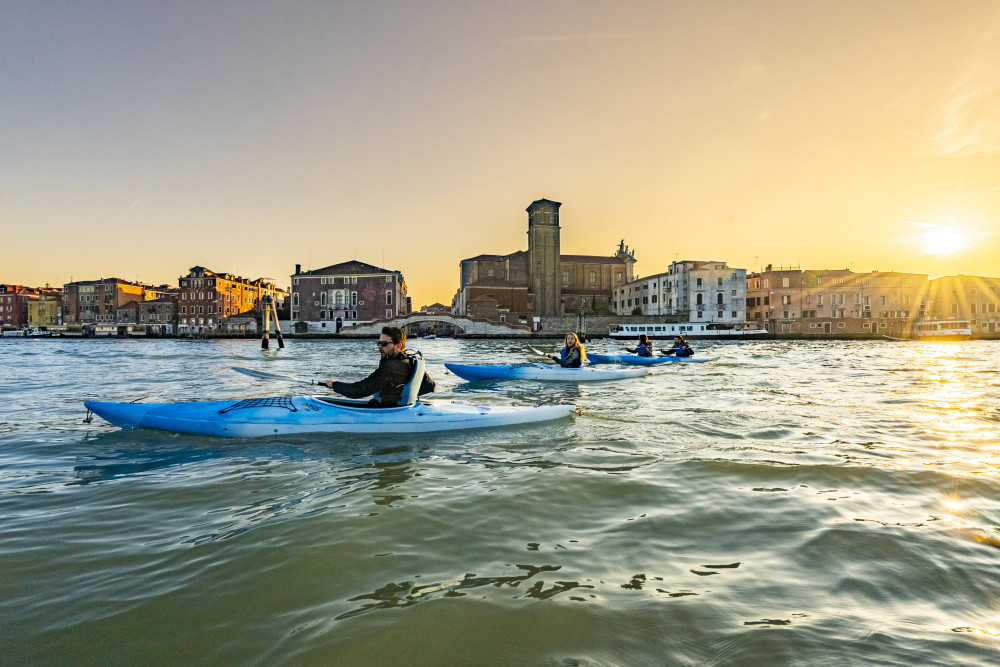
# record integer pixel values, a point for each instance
(944, 240)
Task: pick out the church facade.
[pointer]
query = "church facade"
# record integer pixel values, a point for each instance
(541, 282)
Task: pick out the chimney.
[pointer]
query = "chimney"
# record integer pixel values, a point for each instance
(298, 269)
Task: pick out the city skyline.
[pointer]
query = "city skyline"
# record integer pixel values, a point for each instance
(141, 139)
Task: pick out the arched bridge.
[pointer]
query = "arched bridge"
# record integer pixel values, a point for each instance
(466, 325)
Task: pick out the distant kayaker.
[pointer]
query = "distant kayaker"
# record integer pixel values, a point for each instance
(680, 348)
(393, 373)
(644, 348)
(572, 354)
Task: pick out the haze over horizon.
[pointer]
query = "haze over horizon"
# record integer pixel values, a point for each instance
(139, 139)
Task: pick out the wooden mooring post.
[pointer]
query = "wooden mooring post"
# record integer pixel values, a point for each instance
(267, 304)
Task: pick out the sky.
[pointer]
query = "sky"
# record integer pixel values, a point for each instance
(139, 139)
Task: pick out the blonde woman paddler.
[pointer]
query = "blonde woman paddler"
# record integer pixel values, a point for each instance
(572, 354)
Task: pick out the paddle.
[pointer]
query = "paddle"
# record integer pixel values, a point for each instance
(539, 352)
(261, 375)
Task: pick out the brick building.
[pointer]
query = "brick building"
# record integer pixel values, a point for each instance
(788, 300)
(206, 297)
(91, 302)
(347, 293)
(540, 281)
(14, 305)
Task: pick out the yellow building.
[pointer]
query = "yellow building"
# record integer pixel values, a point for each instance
(46, 310)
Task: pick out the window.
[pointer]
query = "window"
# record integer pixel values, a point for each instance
(718, 298)
(322, 298)
(784, 314)
(697, 300)
(388, 298)
(295, 299)
(766, 283)
(881, 300)
(819, 299)
(698, 282)
(388, 314)
(354, 298)
(593, 277)
(734, 314)
(786, 299)
(784, 282)
(718, 281)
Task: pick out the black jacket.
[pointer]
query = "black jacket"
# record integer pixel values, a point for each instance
(388, 381)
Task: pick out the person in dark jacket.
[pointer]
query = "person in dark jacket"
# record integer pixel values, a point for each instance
(572, 354)
(644, 348)
(680, 348)
(394, 370)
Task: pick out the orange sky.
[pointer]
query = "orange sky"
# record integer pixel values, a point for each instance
(141, 138)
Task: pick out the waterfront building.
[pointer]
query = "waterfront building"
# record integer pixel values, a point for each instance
(14, 301)
(789, 300)
(46, 309)
(205, 297)
(540, 282)
(151, 317)
(326, 299)
(92, 302)
(972, 298)
(689, 291)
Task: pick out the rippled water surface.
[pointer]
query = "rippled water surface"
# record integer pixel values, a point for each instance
(788, 503)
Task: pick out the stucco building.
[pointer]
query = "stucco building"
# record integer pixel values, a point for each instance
(689, 291)
(789, 300)
(973, 298)
(540, 281)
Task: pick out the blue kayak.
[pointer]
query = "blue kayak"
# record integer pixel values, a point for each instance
(312, 414)
(548, 372)
(636, 360)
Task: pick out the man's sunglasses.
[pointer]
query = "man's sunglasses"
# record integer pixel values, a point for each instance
(385, 343)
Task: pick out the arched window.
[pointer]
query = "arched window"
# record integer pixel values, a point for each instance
(698, 300)
(718, 298)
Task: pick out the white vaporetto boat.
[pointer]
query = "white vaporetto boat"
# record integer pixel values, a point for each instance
(690, 330)
(943, 330)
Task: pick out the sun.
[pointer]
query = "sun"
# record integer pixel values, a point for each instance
(944, 240)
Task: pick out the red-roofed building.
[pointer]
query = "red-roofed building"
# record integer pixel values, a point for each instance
(342, 294)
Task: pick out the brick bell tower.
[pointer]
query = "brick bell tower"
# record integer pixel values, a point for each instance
(543, 256)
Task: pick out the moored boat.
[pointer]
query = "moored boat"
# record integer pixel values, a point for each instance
(943, 330)
(690, 330)
(545, 372)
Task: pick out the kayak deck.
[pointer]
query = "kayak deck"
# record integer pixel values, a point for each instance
(636, 360)
(545, 372)
(311, 414)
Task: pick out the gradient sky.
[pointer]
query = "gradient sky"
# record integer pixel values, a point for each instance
(138, 139)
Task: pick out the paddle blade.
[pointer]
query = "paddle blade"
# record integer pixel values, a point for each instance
(261, 375)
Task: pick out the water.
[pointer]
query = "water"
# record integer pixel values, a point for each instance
(791, 503)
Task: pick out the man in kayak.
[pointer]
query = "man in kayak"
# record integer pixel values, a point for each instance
(680, 348)
(644, 348)
(572, 354)
(393, 373)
